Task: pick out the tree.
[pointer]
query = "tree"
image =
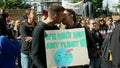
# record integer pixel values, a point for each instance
(13, 4)
(75, 1)
(98, 7)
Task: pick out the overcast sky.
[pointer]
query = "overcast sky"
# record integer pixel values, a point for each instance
(110, 2)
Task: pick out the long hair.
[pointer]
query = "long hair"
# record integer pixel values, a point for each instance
(3, 28)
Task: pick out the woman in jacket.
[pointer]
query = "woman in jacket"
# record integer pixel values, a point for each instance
(9, 47)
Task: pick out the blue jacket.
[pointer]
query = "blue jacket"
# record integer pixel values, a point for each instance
(8, 52)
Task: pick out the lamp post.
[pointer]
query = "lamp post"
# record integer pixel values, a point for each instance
(58, 2)
(107, 9)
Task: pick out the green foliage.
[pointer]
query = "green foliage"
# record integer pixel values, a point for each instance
(13, 4)
(75, 1)
(97, 3)
(1, 1)
(98, 7)
(118, 6)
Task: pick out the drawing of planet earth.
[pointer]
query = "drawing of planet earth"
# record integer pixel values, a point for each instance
(63, 57)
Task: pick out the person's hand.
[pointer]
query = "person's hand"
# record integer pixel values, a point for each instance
(18, 37)
(28, 39)
(97, 53)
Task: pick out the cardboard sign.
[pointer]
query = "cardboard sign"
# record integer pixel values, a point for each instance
(66, 48)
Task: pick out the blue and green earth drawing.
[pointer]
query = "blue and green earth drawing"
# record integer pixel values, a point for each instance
(63, 57)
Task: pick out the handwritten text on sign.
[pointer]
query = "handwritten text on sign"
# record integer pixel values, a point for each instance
(66, 47)
(79, 36)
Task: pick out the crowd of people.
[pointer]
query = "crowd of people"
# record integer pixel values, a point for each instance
(22, 43)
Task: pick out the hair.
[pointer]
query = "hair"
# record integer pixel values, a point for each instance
(110, 18)
(73, 13)
(27, 12)
(17, 22)
(3, 28)
(55, 7)
(102, 16)
(44, 13)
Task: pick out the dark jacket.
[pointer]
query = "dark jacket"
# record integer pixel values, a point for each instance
(115, 47)
(8, 52)
(38, 54)
(26, 30)
(98, 39)
(90, 41)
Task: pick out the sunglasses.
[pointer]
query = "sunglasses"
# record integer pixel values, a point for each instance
(101, 20)
(94, 23)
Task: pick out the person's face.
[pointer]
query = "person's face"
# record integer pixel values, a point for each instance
(111, 20)
(32, 14)
(1, 11)
(93, 24)
(59, 17)
(102, 22)
(67, 18)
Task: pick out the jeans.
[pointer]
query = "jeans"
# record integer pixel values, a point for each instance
(94, 62)
(25, 61)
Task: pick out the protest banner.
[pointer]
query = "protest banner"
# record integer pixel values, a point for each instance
(77, 7)
(66, 47)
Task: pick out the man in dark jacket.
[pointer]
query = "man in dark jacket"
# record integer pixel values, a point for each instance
(115, 46)
(38, 55)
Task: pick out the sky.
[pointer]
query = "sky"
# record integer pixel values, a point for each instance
(110, 2)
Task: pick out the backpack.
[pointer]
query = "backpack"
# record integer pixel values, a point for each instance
(106, 59)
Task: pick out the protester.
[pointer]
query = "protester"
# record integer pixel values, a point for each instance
(17, 29)
(103, 27)
(115, 46)
(9, 47)
(38, 55)
(26, 38)
(70, 22)
(94, 27)
(110, 24)
(69, 18)
(3, 15)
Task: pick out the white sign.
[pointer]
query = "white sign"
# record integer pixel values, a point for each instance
(77, 7)
(66, 47)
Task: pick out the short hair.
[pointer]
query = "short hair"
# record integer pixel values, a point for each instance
(44, 13)
(55, 7)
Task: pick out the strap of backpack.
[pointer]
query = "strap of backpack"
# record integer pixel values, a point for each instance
(110, 52)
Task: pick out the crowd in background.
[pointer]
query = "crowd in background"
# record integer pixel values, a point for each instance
(28, 31)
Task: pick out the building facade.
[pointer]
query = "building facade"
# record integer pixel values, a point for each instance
(40, 5)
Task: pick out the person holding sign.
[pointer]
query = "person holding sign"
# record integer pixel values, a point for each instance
(70, 22)
(69, 18)
(55, 16)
